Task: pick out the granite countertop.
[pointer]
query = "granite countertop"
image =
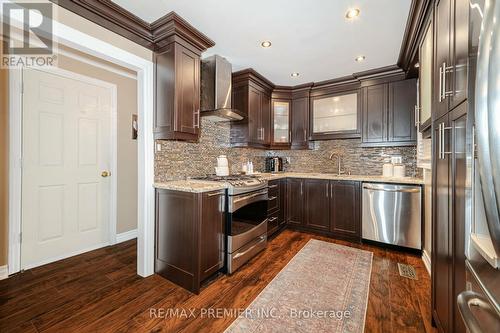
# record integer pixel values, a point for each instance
(332, 176)
(200, 186)
(191, 185)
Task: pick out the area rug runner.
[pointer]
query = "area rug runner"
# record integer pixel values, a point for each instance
(324, 288)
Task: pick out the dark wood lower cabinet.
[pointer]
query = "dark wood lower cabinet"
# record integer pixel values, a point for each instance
(295, 207)
(448, 262)
(189, 236)
(345, 206)
(317, 207)
(276, 205)
(330, 207)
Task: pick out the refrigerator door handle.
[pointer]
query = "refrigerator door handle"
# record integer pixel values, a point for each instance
(467, 299)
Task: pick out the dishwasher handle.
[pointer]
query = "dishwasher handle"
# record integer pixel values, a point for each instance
(381, 188)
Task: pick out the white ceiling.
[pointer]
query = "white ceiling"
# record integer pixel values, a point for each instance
(309, 37)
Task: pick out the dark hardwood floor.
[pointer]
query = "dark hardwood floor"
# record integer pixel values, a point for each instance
(100, 292)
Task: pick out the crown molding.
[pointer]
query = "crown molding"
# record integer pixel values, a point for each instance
(122, 22)
(420, 11)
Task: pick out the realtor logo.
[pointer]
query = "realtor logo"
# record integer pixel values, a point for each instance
(27, 38)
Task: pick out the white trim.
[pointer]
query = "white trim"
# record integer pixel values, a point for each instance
(427, 261)
(4, 272)
(125, 236)
(101, 65)
(15, 174)
(66, 255)
(145, 90)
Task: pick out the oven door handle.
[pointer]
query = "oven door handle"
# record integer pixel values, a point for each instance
(251, 196)
(261, 239)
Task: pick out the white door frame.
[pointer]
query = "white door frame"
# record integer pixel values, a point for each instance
(145, 93)
(16, 79)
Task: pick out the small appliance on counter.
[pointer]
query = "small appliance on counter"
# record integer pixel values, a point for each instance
(274, 164)
(222, 168)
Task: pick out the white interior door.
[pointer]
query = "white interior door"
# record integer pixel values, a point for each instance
(67, 144)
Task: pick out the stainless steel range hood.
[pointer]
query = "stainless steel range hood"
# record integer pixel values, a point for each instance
(216, 74)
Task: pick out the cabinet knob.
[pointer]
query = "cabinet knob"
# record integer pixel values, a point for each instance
(105, 174)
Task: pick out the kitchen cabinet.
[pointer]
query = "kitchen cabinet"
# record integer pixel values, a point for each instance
(388, 112)
(426, 55)
(300, 118)
(345, 199)
(276, 205)
(295, 201)
(281, 111)
(189, 231)
(331, 207)
(451, 54)
(251, 94)
(448, 260)
(177, 102)
(402, 101)
(317, 204)
(335, 116)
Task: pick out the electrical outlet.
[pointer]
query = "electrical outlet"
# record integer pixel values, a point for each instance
(158, 147)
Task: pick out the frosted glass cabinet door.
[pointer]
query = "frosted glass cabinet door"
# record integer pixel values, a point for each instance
(335, 114)
(281, 122)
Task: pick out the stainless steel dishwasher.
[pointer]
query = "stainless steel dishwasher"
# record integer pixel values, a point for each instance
(392, 214)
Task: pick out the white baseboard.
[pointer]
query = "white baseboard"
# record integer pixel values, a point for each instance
(4, 272)
(427, 261)
(125, 236)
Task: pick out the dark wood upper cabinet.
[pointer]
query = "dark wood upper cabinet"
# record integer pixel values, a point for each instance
(389, 114)
(375, 113)
(177, 72)
(177, 82)
(442, 18)
(251, 94)
(460, 51)
(335, 116)
(345, 199)
(402, 102)
(189, 244)
(317, 207)
(177, 115)
(451, 35)
(281, 119)
(425, 70)
(300, 119)
(295, 204)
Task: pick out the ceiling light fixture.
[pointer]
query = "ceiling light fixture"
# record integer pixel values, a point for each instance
(352, 13)
(295, 74)
(266, 44)
(360, 58)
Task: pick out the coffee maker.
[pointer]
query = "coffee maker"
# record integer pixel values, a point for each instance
(274, 164)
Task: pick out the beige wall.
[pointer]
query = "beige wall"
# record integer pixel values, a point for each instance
(77, 22)
(4, 172)
(127, 148)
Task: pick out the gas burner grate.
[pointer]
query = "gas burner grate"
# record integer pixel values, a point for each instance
(407, 271)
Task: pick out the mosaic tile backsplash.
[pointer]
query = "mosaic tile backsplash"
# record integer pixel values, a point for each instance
(178, 160)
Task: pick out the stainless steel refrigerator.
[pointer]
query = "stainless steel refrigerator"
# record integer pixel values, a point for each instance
(479, 304)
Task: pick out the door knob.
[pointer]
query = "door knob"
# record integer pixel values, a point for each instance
(105, 174)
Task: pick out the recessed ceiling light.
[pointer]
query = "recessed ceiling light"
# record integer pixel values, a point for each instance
(295, 74)
(352, 13)
(360, 58)
(266, 44)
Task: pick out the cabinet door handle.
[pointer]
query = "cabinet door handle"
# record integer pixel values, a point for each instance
(272, 198)
(417, 115)
(305, 135)
(301, 192)
(440, 141)
(215, 193)
(446, 69)
(327, 185)
(273, 186)
(440, 84)
(272, 219)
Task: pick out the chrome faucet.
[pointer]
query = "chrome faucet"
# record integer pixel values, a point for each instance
(339, 161)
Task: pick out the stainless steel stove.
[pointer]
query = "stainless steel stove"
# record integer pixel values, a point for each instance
(246, 226)
(238, 184)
